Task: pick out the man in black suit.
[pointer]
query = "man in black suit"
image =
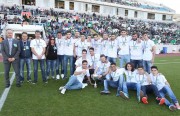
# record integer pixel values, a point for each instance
(10, 53)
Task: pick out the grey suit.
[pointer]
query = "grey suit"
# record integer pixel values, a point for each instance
(15, 51)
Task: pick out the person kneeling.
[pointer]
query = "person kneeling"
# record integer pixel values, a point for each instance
(75, 81)
(114, 79)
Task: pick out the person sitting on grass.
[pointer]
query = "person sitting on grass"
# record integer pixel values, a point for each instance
(131, 82)
(146, 86)
(75, 81)
(114, 79)
(164, 88)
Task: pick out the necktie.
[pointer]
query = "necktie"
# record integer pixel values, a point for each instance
(10, 46)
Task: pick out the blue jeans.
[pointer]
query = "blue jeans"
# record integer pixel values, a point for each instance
(167, 90)
(66, 58)
(60, 61)
(137, 63)
(50, 65)
(124, 59)
(147, 66)
(132, 86)
(35, 64)
(115, 84)
(150, 88)
(26, 61)
(73, 83)
(112, 60)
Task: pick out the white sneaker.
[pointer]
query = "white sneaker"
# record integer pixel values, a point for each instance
(62, 76)
(84, 85)
(53, 77)
(57, 77)
(63, 91)
(47, 77)
(60, 88)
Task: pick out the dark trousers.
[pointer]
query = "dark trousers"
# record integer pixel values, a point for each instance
(150, 88)
(7, 67)
(137, 63)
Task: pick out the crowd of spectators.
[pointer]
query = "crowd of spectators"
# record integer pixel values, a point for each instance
(54, 21)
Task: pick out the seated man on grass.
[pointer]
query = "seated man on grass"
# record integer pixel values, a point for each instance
(75, 81)
(164, 88)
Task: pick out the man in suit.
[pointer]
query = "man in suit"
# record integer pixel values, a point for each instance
(10, 53)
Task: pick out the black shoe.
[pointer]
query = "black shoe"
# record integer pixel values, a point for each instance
(7, 86)
(18, 85)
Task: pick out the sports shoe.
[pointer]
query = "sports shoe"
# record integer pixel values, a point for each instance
(47, 77)
(123, 95)
(63, 91)
(29, 81)
(62, 76)
(105, 92)
(161, 100)
(57, 77)
(84, 85)
(177, 106)
(172, 107)
(53, 77)
(60, 88)
(144, 100)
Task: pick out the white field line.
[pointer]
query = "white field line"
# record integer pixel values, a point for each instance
(5, 93)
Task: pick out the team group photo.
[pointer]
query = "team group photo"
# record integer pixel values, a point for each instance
(112, 57)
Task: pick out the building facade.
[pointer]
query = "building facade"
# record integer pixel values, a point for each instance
(96, 6)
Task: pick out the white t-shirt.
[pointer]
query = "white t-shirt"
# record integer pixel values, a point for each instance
(81, 76)
(38, 45)
(69, 46)
(112, 48)
(94, 60)
(103, 67)
(136, 50)
(75, 41)
(116, 75)
(159, 80)
(80, 46)
(60, 46)
(148, 45)
(123, 43)
(79, 62)
(142, 79)
(130, 76)
(97, 46)
(104, 47)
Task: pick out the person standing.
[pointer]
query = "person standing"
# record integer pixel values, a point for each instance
(25, 57)
(51, 58)
(123, 42)
(149, 50)
(38, 48)
(112, 49)
(10, 52)
(136, 50)
(104, 43)
(60, 55)
(69, 53)
(96, 44)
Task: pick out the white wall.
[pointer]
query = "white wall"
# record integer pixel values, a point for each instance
(170, 48)
(142, 15)
(66, 5)
(121, 12)
(158, 17)
(131, 13)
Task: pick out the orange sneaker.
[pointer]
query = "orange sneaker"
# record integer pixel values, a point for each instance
(161, 101)
(144, 100)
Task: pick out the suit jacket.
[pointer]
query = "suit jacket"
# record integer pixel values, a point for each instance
(14, 52)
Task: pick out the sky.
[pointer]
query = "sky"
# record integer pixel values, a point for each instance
(174, 4)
